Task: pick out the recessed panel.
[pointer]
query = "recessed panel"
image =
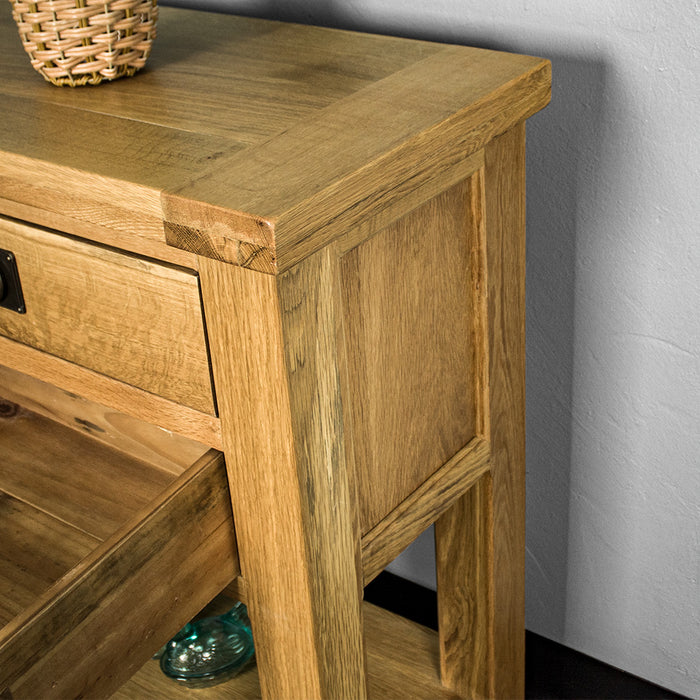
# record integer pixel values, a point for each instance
(407, 295)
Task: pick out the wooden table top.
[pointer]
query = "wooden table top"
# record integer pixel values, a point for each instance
(253, 141)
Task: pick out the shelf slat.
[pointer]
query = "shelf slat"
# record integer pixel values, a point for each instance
(159, 447)
(70, 476)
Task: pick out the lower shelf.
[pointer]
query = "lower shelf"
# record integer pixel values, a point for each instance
(104, 554)
(402, 660)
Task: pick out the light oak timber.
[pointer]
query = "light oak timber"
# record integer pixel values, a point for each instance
(464, 566)
(495, 513)
(406, 295)
(72, 477)
(500, 89)
(401, 186)
(152, 576)
(73, 193)
(252, 245)
(151, 248)
(159, 447)
(131, 319)
(275, 471)
(384, 542)
(403, 183)
(310, 69)
(403, 202)
(475, 230)
(56, 486)
(311, 313)
(254, 402)
(98, 388)
(393, 647)
(464, 534)
(505, 221)
(113, 180)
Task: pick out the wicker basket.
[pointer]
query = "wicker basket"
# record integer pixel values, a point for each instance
(83, 42)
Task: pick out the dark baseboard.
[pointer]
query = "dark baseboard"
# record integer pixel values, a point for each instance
(552, 671)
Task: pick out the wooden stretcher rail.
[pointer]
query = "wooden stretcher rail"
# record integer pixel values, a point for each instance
(384, 542)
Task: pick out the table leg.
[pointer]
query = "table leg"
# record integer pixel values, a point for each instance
(481, 540)
(275, 371)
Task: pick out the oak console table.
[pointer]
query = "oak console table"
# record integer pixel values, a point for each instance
(275, 280)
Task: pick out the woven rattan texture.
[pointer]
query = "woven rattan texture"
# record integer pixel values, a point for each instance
(81, 42)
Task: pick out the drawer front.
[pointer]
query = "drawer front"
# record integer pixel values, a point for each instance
(132, 319)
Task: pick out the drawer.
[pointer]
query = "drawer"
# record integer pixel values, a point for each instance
(126, 317)
(104, 553)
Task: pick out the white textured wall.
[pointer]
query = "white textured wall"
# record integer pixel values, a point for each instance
(613, 536)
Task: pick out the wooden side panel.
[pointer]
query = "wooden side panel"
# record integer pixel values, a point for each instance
(95, 627)
(125, 317)
(409, 333)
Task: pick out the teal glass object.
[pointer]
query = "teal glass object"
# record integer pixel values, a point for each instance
(210, 650)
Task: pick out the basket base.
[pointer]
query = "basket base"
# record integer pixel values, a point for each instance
(96, 42)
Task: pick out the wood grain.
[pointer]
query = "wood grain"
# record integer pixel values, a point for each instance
(356, 150)
(261, 76)
(393, 646)
(36, 549)
(464, 534)
(475, 230)
(384, 542)
(68, 475)
(113, 180)
(279, 472)
(160, 448)
(368, 116)
(128, 597)
(422, 189)
(242, 312)
(141, 245)
(464, 567)
(125, 317)
(409, 337)
(311, 308)
(97, 388)
(505, 222)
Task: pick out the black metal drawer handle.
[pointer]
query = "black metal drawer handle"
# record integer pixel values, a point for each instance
(11, 296)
